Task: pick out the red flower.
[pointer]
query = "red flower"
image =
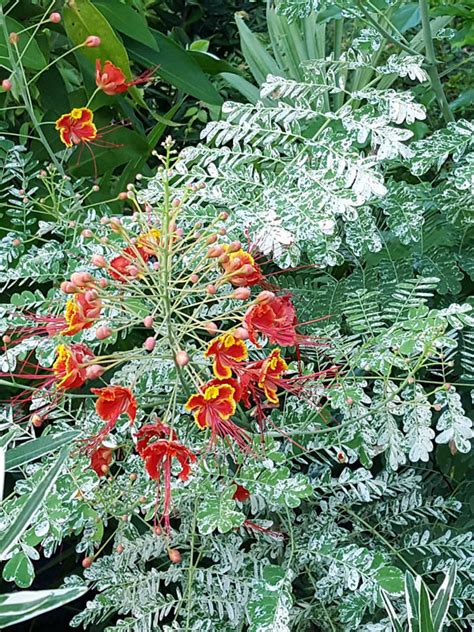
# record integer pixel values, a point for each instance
(113, 401)
(276, 320)
(121, 267)
(100, 461)
(241, 269)
(241, 493)
(76, 127)
(212, 408)
(70, 365)
(226, 350)
(111, 80)
(158, 455)
(80, 314)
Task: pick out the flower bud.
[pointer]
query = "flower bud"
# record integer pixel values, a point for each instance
(132, 270)
(102, 332)
(99, 261)
(14, 38)
(175, 203)
(103, 283)
(55, 17)
(119, 548)
(94, 371)
(6, 339)
(122, 195)
(37, 421)
(91, 295)
(175, 556)
(86, 233)
(87, 562)
(223, 259)
(92, 41)
(241, 293)
(222, 231)
(156, 265)
(81, 278)
(6, 85)
(182, 358)
(215, 251)
(265, 296)
(224, 215)
(241, 333)
(211, 239)
(115, 224)
(194, 278)
(211, 328)
(16, 242)
(96, 188)
(234, 246)
(149, 343)
(148, 321)
(68, 288)
(211, 289)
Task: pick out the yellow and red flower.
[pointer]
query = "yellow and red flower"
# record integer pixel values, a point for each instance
(158, 445)
(270, 374)
(276, 320)
(69, 367)
(80, 313)
(213, 407)
(149, 242)
(77, 127)
(241, 270)
(111, 80)
(226, 350)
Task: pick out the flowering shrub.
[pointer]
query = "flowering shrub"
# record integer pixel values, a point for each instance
(238, 388)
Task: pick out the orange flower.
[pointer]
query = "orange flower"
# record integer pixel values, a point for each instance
(149, 241)
(113, 401)
(270, 374)
(226, 350)
(241, 269)
(76, 127)
(80, 314)
(111, 80)
(69, 368)
(276, 320)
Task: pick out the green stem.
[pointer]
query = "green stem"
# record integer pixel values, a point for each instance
(432, 67)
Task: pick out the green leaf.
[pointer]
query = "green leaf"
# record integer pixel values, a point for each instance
(426, 621)
(21, 606)
(212, 64)
(31, 55)
(33, 502)
(390, 579)
(394, 620)
(19, 569)
(443, 599)
(175, 65)
(126, 20)
(260, 62)
(217, 511)
(270, 602)
(31, 450)
(412, 602)
(81, 19)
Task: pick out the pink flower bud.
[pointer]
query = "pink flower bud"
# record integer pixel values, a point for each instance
(94, 371)
(55, 17)
(211, 239)
(6, 85)
(91, 295)
(234, 246)
(86, 233)
(194, 278)
(6, 339)
(156, 265)
(96, 188)
(179, 232)
(242, 293)
(16, 242)
(104, 240)
(223, 259)
(68, 288)
(14, 38)
(265, 296)
(215, 251)
(241, 333)
(99, 261)
(148, 321)
(103, 283)
(211, 289)
(222, 231)
(211, 328)
(92, 41)
(115, 224)
(182, 358)
(175, 203)
(132, 270)
(224, 215)
(149, 343)
(102, 332)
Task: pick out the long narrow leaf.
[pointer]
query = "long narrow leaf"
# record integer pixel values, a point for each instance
(426, 621)
(260, 62)
(392, 615)
(28, 604)
(31, 450)
(412, 602)
(31, 506)
(443, 599)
